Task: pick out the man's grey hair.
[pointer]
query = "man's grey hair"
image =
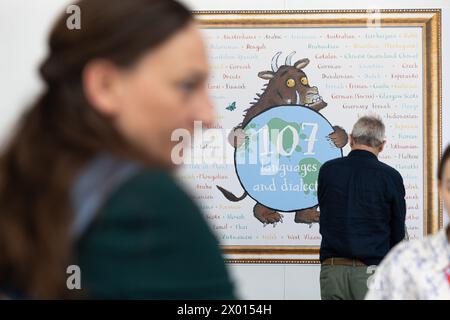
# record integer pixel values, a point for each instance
(369, 131)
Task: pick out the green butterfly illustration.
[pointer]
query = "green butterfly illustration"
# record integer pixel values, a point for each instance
(231, 106)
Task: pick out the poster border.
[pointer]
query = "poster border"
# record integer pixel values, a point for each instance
(430, 22)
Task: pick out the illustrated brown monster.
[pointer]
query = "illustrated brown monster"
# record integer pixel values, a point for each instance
(288, 84)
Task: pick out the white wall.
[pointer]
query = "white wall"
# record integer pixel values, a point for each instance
(24, 25)
(23, 30)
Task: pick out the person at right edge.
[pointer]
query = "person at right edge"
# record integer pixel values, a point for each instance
(362, 213)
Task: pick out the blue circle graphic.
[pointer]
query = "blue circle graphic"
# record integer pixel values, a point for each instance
(279, 162)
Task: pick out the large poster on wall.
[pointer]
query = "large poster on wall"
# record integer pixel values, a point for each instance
(288, 87)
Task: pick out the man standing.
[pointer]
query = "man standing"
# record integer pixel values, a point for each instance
(362, 213)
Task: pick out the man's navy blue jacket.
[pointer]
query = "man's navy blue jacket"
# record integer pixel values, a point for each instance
(362, 208)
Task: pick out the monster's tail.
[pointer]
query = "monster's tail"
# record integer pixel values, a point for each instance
(231, 196)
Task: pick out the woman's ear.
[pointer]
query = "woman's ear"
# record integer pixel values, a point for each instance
(101, 85)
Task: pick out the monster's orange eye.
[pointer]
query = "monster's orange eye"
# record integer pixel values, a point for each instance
(290, 83)
(304, 80)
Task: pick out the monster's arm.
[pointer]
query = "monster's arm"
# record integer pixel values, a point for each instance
(339, 137)
(236, 137)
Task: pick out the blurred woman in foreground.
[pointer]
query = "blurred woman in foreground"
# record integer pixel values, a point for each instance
(418, 269)
(86, 177)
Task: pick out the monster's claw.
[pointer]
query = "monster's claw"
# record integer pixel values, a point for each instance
(307, 216)
(266, 215)
(236, 137)
(339, 137)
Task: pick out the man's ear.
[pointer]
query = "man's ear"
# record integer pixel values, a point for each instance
(266, 75)
(350, 141)
(381, 148)
(100, 84)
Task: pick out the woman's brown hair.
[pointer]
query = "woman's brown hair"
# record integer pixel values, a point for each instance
(61, 132)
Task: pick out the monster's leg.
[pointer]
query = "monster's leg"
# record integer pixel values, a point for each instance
(308, 216)
(266, 215)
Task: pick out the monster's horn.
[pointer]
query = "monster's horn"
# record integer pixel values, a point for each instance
(275, 62)
(289, 58)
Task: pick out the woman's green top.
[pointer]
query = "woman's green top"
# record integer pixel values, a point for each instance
(149, 240)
